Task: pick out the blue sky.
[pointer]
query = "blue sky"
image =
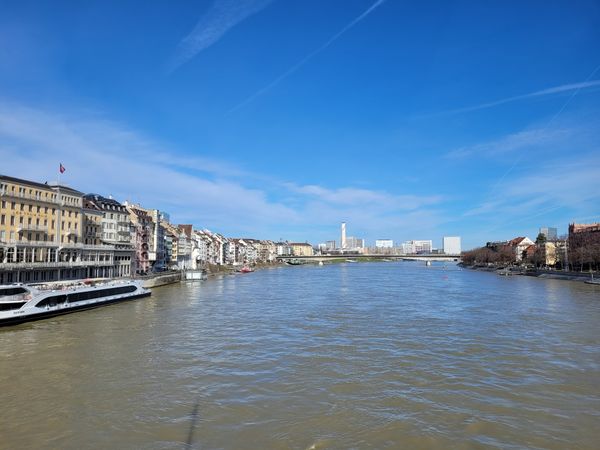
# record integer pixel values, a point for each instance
(279, 119)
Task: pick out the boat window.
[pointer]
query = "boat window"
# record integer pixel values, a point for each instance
(52, 300)
(85, 295)
(12, 291)
(10, 306)
(88, 295)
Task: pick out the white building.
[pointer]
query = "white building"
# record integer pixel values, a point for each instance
(354, 242)
(384, 243)
(451, 245)
(412, 247)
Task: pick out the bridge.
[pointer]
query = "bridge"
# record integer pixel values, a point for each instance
(357, 257)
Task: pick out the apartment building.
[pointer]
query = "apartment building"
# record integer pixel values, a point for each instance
(42, 234)
(114, 230)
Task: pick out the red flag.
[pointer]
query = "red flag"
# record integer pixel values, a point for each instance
(62, 168)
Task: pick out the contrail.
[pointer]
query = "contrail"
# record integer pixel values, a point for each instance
(553, 90)
(213, 25)
(578, 87)
(308, 57)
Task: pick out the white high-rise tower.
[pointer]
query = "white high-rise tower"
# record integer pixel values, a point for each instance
(343, 242)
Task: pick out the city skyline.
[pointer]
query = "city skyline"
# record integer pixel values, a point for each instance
(408, 121)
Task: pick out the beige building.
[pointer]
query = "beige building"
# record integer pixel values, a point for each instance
(301, 249)
(42, 234)
(114, 230)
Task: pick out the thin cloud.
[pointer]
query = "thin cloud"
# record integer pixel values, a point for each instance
(308, 57)
(522, 140)
(110, 159)
(543, 92)
(364, 198)
(213, 25)
(563, 186)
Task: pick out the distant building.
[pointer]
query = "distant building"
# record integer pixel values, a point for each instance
(413, 247)
(550, 233)
(583, 245)
(354, 242)
(451, 245)
(384, 243)
(343, 235)
(301, 249)
(284, 249)
(519, 245)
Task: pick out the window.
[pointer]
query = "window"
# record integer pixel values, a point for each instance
(2, 219)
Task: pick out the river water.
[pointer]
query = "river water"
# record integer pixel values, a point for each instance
(363, 355)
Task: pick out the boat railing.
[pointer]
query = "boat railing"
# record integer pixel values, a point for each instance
(65, 286)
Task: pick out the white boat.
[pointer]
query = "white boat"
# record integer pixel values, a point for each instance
(22, 303)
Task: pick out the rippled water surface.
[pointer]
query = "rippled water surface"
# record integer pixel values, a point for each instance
(364, 355)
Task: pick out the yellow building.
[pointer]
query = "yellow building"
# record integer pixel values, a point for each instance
(42, 236)
(301, 249)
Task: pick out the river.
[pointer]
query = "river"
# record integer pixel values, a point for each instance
(356, 355)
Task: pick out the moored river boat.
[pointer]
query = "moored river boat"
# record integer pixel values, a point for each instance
(22, 303)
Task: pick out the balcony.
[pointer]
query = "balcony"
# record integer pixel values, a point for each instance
(82, 246)
(23, 195)
(15, 242)
(54, 265)
(24, 227)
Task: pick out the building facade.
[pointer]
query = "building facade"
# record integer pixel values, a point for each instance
(42, 234)
(384, 243)
(415, 247)
(301, 249)
(115, 230)
(451, 245)
(584, 246)
(550, 233)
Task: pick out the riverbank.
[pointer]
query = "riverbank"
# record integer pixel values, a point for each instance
(537, 273)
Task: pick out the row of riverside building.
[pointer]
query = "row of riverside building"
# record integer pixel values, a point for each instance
(51, 232)
(579, 250)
